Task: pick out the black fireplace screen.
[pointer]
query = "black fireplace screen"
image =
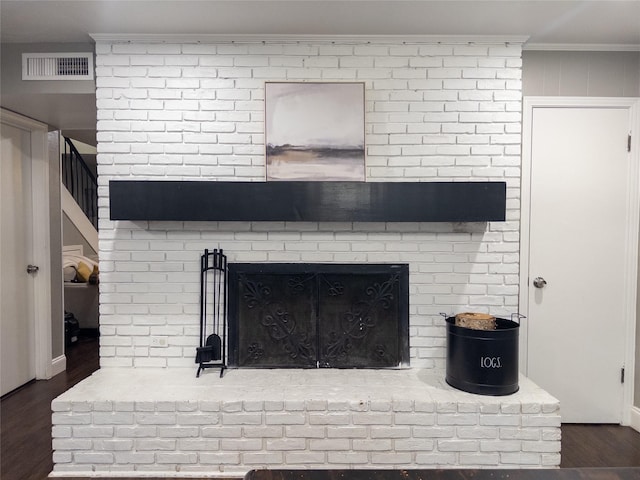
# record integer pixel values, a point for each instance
(318, 315)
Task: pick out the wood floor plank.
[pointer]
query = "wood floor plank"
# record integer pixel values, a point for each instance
(25, 421)
(593, 445)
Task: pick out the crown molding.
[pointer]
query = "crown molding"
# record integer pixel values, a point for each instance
(355, 39)
(582, 47)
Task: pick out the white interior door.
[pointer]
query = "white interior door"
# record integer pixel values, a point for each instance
(579, 245)
(17, 365)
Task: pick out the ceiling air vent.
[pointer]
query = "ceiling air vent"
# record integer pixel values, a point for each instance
(57, 66)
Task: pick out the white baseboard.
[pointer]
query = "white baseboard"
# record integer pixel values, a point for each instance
(58, 365)
(635, 418)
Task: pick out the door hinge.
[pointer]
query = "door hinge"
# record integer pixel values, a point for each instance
(629, 143)
(622, 375)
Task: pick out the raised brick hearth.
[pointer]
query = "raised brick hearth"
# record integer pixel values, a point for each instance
(170, 423)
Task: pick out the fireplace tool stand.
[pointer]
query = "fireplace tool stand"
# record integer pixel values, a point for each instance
(213, 311)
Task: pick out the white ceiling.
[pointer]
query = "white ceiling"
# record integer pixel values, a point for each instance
(545, 22)
(566, 24)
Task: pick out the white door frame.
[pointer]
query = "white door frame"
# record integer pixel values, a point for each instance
(41, 254)
(633, 225)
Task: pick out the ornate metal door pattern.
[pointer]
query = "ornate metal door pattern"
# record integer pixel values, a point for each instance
(318, 315)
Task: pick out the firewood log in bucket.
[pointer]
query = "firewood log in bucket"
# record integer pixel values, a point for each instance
(476, 321)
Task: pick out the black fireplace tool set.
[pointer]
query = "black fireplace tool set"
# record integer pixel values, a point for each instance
(213, 311)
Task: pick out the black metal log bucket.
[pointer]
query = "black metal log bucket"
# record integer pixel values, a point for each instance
(483, 361)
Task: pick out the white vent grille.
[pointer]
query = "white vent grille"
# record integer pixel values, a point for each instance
(57, 66)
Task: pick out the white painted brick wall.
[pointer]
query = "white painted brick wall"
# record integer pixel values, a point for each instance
(195, 112)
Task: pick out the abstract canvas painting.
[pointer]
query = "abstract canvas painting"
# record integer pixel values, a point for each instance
(314, 131)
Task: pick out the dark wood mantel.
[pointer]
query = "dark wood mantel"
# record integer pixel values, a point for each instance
(307, 201)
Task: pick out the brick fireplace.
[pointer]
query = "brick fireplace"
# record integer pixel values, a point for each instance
(447, 110)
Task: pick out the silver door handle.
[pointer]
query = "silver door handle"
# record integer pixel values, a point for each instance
(539, 282)
(32, 268)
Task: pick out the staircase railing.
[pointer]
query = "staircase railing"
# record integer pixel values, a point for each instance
(80, 181)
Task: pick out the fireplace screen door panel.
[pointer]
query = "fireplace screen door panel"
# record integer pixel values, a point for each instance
(276, 326)
(318, 315)
(359, 323)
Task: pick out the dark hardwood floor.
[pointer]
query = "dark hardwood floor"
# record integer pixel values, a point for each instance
(599, 446)
(25, 416)
(25, 426)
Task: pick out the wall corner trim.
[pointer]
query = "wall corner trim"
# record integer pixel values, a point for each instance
(635, 418)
